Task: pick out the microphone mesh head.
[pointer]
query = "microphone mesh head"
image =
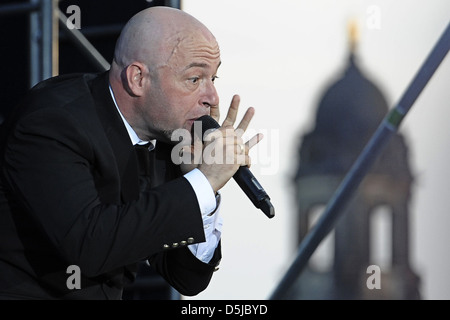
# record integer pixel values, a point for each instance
(202, 124)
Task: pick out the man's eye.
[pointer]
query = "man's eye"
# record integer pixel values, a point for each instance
(194, 79)
(214, 78)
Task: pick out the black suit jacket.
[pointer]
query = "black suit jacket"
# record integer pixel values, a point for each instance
(70, 195)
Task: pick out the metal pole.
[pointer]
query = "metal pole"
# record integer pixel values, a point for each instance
(18, 8)
(43, 41)
(35, 33)
(49, 45)
(343, 194)
(83, 43)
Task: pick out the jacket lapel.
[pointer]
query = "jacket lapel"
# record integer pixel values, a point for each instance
(118, 137)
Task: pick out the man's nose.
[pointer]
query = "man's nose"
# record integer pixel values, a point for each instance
(210, 98)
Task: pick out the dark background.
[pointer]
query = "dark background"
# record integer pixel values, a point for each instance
(14, 43)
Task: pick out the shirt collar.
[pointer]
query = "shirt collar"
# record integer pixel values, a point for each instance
(133, 136)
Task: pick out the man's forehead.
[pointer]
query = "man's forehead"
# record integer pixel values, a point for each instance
(189, 53)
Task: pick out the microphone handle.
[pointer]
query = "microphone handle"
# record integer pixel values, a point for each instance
(253, 189)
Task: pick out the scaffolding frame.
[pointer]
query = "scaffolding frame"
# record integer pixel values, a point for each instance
(45, 22)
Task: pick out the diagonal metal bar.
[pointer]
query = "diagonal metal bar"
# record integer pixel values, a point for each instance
(80, 40)
(378, 141)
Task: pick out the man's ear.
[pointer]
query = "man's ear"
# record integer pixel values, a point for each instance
(136, 77)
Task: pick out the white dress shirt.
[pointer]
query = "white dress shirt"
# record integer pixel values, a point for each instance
(212, 223)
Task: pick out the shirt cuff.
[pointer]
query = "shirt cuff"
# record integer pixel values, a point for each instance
(203, 191)
(204, 251)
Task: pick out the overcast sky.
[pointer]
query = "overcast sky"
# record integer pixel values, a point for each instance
(279, 56)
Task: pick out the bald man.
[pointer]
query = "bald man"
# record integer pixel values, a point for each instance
(79, 208)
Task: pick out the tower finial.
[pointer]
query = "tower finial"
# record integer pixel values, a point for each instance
(353, 34)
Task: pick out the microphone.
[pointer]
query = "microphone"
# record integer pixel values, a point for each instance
(244, 177)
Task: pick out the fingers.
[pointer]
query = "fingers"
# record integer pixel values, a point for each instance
(232, 111)
(232, 115)
(253, 141)
(190, 157)
(243, 125)
(214, 112)
(243, 149)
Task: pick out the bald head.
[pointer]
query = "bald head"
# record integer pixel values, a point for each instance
(153, 35)
(163, 72)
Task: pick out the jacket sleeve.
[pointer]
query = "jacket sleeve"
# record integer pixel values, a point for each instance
(183, 271)
(50, 164)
